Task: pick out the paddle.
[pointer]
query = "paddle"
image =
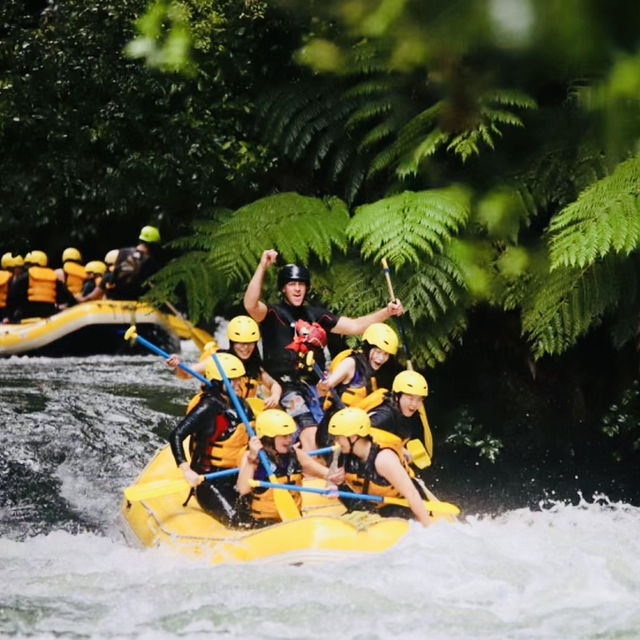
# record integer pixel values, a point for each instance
(431, 505)
(131, 335)
(428, 437)
(199, 336)
(284, 502)
(159, 488)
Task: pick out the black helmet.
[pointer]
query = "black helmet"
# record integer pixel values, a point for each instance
(293, 273)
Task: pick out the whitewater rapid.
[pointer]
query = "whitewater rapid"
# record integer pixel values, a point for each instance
(77, 430)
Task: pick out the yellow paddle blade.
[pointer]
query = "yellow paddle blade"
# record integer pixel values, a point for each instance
(428, 437)
(432, 505)
(149, 490)
(256, 404)
(418, 453)
(285, 504)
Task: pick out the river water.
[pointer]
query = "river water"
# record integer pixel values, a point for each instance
(75, 431)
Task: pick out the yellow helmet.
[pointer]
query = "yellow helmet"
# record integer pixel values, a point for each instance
(350, 422)
(18, 261)
(275, 422)
(231, 365)
(111, 256)
(382, 336)
(37, 257)
(410, 382)
(7, 260)
(243, 329)
(71, 253)
(149, 234)
(96, 266)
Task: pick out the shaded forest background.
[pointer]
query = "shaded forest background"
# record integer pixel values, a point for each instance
(488, 149)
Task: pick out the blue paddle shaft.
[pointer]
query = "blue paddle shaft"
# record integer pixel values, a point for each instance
(342, 494)
(242, 413)
(166, 356)
(231, 472)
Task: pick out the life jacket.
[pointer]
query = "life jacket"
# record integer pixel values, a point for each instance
(362, 477)
(288, 471)
(5, 279)
(42, 285)
(278, 330)
(75, 276)
(225, 445)
(362, 384)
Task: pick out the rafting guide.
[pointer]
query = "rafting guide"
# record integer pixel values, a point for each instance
(278, 322)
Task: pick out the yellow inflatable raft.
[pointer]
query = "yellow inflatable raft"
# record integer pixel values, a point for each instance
(91, 327)
(324, 533)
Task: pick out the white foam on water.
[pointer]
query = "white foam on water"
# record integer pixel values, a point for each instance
(567, 572)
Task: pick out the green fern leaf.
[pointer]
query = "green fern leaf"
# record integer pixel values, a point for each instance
(297, 226)
(405, 227)
(604, 219)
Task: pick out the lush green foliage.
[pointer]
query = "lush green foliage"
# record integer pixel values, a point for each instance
(489, 155)
(95, 145)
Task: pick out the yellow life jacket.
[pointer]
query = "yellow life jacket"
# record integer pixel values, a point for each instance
(227, 453)
(5, 279)
(42, 285)
(76, 275)
(387, 440)
(263, 505)
(368, 480)
(351, 395)
(193, 402)
(371, 401)
(224, 453)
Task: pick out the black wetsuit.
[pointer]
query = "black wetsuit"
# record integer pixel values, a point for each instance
(278, 330)
(389, 417)
(211, 420)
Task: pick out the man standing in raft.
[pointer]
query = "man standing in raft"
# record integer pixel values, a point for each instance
(281, 324)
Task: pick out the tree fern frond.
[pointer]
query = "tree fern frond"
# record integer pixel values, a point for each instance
(370, 111)
(509, 97)
(407, 226)
(431, 342)
(426, 148)
(376, 86)
(377, 134)
(296, 225)
(433, 290)
(604, 219)
(195, 274)
(568, 303)
(313, 117)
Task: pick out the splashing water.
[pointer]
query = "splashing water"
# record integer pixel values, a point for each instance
(76, 431)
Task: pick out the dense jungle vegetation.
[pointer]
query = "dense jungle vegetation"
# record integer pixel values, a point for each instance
(488, 149)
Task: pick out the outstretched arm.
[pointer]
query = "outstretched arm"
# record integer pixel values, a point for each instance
(355, 326)
(255, 307)
(389, 467)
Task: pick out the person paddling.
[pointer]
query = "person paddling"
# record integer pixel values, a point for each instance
(399, 411)
(217, 439)
(371, 468)
(274, 434)
(243, 334)
(278, 324)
